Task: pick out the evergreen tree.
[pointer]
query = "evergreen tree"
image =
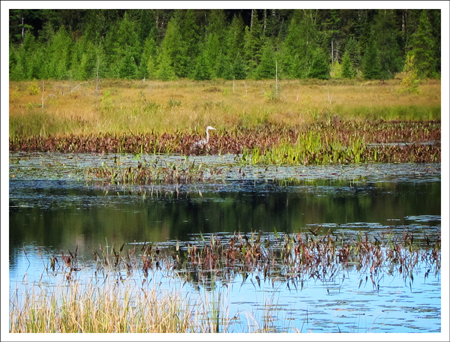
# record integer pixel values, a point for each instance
(87, 63)
(172, 49)
(165, 71)
(147, 66)
(371, 62)
(299, 46)
(410, 82)
(252, 46)
(24, 65)
(202, 70)
(146, 24)
(213, 52)
(354, 54)
(266, 69)
(422, 43)
(190, 37)
(128, 68)
(387, 44)
(348, 71)
(239, 68)
(320, 67)
(234, 39)
(59, 55)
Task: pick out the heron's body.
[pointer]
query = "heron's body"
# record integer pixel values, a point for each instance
(204, 142)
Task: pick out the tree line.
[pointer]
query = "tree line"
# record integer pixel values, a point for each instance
(229, 44)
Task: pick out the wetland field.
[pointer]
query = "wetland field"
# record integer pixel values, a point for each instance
(312, 209)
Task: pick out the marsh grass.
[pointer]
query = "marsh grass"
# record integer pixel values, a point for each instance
(109, 307)
(186, 106)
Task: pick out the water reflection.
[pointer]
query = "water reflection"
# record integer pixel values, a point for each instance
(61, 214)
(50, 215)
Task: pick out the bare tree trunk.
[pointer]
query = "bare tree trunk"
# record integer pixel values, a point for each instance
(251, 21)
(332, 52)
(96, 83)
(276, 79)
(43, 91)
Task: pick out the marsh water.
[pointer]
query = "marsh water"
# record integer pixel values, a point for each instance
(56, 206)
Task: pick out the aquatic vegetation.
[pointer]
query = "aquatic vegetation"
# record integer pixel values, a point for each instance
(157, 172)
(293, 257)
(122, 294)
(338, 142)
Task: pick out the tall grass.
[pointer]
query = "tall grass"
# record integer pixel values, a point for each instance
(188, 106)
(117, 306)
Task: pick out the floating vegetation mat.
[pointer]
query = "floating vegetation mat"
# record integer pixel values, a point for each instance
(328, 142)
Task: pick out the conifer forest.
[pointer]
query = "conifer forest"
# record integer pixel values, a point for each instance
(75, 44)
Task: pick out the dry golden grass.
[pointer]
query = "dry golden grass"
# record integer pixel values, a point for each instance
(113, 306)
(188, 106)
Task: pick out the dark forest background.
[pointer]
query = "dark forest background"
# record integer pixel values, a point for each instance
(231, 44)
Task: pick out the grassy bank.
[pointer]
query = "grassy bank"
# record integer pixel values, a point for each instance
(114, 107)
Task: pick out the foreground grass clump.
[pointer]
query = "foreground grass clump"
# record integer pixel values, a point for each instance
(55, 108)
(108, 307)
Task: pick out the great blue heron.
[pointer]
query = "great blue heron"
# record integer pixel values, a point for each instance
(203, 142)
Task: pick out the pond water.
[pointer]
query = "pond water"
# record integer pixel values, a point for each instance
(56, 206)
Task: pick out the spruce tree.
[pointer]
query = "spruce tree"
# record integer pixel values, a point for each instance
(422, 43)
(202, 68)
(348, 70)
(354, 53)
(320, 67)
(266, 68)
(239, 68)
(371, 62)
(128, 68)
(387, 39)
(299, 46)
(148, 58)
(165, 71)
(171, 47)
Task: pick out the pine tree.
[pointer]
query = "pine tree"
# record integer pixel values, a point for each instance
(189, 31)
(165, 71)
(235, 38)
(354, 53)
(348, 71)
(299, 46)
(128, 68)
(320, 67)
(148, 58)
(252, 46)
(387, 44)
(126, 45)
(266, 69)
(172, 49)
(410, 82)
(422, 43)
(59, 54)
(202, 70)
(239, 68)
(371, 62)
